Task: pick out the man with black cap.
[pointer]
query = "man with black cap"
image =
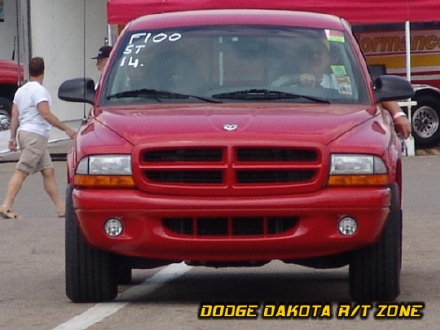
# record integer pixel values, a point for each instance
(102, 57)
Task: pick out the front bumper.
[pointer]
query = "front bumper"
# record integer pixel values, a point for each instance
(314, 234)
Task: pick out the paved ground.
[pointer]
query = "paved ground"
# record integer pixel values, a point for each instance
(32, 279)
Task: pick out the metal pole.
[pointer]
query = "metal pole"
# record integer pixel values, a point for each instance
(408, 50)
(18, 11)
(410, 146)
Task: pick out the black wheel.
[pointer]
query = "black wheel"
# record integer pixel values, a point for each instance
(425, 118)
(5, 113)
(89, 271)
(375, 270)
(124, 274)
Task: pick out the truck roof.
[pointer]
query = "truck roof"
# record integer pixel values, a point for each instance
(9, 72)
(238, 16)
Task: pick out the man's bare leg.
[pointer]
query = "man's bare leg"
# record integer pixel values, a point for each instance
(14, 186)
(51, 187)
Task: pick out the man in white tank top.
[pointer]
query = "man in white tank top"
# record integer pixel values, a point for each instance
(31, 122)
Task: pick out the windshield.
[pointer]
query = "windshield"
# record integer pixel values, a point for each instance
(235, 64)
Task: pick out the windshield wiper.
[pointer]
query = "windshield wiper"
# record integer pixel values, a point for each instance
(265, 94)
(159, 95)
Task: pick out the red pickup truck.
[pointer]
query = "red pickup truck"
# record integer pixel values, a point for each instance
(212, 140)
(11, 75)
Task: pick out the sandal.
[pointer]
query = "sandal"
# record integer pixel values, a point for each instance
(61, 213)
(8, 214)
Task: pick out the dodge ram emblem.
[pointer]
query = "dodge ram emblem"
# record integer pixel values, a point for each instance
(230, 127)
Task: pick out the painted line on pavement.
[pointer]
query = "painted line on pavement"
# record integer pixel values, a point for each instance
(100, 311)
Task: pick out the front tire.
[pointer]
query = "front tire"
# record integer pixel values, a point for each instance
(375, 270)
(89, 271)
(124, 275)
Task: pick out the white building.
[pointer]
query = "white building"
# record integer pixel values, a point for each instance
(66, 33)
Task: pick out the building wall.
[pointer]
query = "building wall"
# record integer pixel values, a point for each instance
(67, 35)
(8, 29)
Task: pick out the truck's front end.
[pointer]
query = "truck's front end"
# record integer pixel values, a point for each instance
(214, 140)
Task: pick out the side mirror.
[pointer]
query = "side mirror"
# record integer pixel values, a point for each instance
(389, 88)
(78, 90)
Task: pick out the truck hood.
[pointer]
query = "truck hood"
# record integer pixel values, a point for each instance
(144, 124)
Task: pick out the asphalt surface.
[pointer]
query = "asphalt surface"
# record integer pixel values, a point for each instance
(32, 274)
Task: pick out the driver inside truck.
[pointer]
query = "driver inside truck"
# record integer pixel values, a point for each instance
(313, 70)
(312, 60)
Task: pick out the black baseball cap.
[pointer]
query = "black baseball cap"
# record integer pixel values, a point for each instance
(103, 52)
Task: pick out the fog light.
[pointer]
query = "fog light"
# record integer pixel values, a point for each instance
(113, 227)
(347, 225)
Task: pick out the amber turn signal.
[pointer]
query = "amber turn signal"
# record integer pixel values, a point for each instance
(358, 180)
(104, 181)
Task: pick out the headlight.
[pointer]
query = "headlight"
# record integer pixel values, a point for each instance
(105, 165)
(357, 170)
(357, 164)
(105, 171)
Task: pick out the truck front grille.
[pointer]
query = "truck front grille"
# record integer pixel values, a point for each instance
(230, 226)
(275, 154)
(197, 176)
(274, 176)
(184, 155)
(230, 168)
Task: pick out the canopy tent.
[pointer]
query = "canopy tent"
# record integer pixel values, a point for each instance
(356, 12)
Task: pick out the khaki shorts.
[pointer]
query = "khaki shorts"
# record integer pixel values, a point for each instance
(34, 152)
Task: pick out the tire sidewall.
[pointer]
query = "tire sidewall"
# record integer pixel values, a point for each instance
(90, 272)
(5, 110)
(375, 270)
(433, 103)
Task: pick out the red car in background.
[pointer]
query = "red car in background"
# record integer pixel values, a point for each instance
(11, 75)
(205, 145)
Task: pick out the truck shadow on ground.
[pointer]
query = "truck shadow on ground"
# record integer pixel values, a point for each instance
(248, 285)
